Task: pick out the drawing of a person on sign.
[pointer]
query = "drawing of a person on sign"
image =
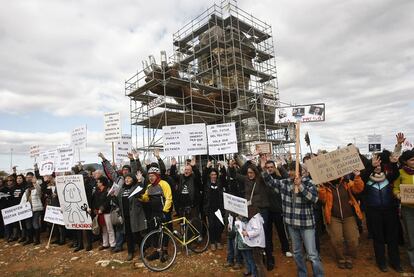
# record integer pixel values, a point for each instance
(75, 205)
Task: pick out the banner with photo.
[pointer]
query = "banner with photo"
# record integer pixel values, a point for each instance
(300, 113)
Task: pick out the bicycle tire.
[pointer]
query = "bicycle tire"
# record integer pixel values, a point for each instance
(201, 244)
(147, 246)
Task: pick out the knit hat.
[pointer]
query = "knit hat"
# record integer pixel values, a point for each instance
(154, 170)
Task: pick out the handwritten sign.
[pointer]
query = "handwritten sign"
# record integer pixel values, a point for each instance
(64, 161)
(335, 164)
(112, 127)
(17, 213)
(235, 204)
(46, 167)
(264, 148)
(123, 147)
(34, 151)
(79, 136)
(73, 202)
(407, 194)
(182, 140)
(222, 138)
(54, 215)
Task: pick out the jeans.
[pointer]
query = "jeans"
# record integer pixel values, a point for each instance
(119, 237)
(248, 259)
(233, 252)
(307, 237)
(408, 220)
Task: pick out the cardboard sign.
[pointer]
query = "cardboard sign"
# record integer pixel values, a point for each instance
(48, 155)
(112, 127)
(302, 113)
(264, 148)
(79, 136)
(54, 215)
(34, 151)
(333, 165)
(17, 213)
(407, 194)
(73, 202)
(235, 204)
(122, 148)
(46, 167)
(222, 139)
(185, 140)
(64, 161)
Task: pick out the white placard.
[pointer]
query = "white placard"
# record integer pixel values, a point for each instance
(34, 151)
(112, 127)
(123, 147)
(79, 137)
(54, 215)
(48, 155)
(219, 216)
(64, 161)
(302, 113)
(185, 140)
(73, 201)
(17, 213)
(138, 189)
(222, 139)
(235, 204)
(46, 167)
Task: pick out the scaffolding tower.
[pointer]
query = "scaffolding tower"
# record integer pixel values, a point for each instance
(223, 70)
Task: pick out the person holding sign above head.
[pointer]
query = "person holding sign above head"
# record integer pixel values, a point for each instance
(340, 207)
(299, 195)
(406, 177)
(381, 210)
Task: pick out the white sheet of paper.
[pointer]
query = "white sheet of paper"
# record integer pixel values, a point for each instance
(239, 226)
(219, 216)
(230, 218)
(115, 189)
(138, 189)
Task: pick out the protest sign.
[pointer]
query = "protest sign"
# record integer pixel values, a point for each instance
(73, 202)
(374, 143)
(122, 148)
(302, 113)
(112, 127)
(407, 193)
(46, 167)
(333, 165)
(64, 160)
(138, 189)
(48, 155)
(54, 215)
(235, 204)
(264, 148)
(184, 140)
(16, 213)
(34, 151)
(219, 216)
(79, 137)
(222, 139)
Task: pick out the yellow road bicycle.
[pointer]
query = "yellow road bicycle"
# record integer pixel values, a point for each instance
(159, 248)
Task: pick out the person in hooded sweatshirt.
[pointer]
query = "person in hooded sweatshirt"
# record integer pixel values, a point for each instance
(406, 176)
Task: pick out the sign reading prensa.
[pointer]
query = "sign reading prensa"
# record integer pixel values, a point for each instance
(335, 164)
(222, 139)
(182, 140)
(79, 136)
(407, 194)
(73, 202)
(54, 215)
(112, 127)
(235, 204)
(17, 213)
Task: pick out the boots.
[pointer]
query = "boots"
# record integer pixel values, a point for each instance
(36, 236)
(29, 237)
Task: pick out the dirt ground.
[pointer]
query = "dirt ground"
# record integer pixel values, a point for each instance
(18, 260)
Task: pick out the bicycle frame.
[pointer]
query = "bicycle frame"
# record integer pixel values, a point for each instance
(188, 224)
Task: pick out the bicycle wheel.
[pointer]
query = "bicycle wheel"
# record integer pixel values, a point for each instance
(158, 250)
(200, 244)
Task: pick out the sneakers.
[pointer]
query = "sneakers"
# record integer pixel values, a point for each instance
(213, 247)
(219, 246)
(288, 254)
(341, 264)
(102, 247)
(349, 265)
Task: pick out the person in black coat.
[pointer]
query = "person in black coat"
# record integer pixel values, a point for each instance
(4, 203)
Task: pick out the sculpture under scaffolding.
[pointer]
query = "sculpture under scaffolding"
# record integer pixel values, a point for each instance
(222, 70)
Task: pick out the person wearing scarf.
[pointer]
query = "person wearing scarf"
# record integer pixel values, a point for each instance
(407, 210)
(381, 211)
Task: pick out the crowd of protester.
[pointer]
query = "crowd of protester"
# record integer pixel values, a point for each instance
(298, 209)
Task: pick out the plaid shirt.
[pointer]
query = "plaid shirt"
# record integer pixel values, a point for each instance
(297, 211)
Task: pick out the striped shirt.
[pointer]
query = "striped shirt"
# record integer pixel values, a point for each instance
(297, 208)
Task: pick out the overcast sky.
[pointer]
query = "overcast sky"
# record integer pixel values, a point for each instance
(64, 63)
